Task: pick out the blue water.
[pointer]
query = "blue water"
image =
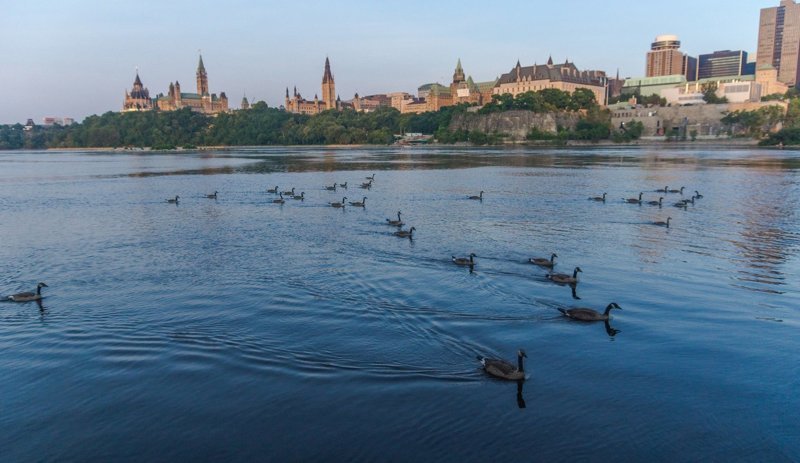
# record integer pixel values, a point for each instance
(238, 330)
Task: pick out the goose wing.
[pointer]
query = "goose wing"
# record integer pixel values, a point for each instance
(582, 314)
(24, 295)
(498, 367)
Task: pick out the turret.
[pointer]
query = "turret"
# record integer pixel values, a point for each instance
(202, 78)
(458, 75)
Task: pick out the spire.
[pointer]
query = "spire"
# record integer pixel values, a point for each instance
(137, 81)
(518, 65)
(200, 67)
(327, 77)
(295, 90)
(458, 75)
(287, 92)
(550, 60)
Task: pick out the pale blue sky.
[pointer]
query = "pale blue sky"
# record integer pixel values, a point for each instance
(76, 58)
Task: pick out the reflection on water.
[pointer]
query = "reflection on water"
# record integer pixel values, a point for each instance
(191, 332)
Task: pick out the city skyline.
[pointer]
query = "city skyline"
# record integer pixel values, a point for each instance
(74, 61)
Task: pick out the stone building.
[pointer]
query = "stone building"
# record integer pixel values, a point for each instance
(297, 104)
(202, 101)
(138, 99)
(435, 96)
(565, 77)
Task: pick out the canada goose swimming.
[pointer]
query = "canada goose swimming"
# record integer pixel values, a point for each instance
(505, 370)
(366, 186)
(341, 204)
(665, 190)
(213, 196)
(681, 204)
(542, 262)
(396, 223)
(697, 194)
(280, 200)
(174, 201)
(465, 260)
(405, 233)
(289, 193)
(343, 185)
(634, 200)
(274, 190)
(370, 178)
(331, 188)
(677, 191)
(361, 203)
(302, 196)
(28, 297)
(589, 315)
(663, 224)
(656, 203)
(479, 197)
(563, 278)
(599, 198)
(688, 201)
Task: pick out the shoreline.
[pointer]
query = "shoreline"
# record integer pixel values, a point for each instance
(709, 144)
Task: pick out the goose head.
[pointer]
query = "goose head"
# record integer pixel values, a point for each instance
(613, 305)
(41, 285)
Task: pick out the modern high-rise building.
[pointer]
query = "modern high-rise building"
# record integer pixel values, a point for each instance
(779, 41)
(725, 63)
(666, 59)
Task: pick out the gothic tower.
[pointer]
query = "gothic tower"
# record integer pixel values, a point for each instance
(202, 78)
(458, 75)
(328, 87)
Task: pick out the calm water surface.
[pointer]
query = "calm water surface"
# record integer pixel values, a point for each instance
(237, 329)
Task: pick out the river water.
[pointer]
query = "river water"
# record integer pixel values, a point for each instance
(237, 329)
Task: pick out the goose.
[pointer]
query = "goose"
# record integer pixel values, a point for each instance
(361, 203)
(479, 197)
(302, 196)
(681, 204)
(697, 194)
(589, 315)
(331, 188)
(370, 178)
(542, 262)
(677, 191)
(273, 190)
(656, 203)
(396, 223)
(688, 201)
(505, 370)
(343, 185)
(599, 198)
(289, 193)
(28, 297)
(665, 190)
(341, 204)
(465, 260)
(280, 200)
(634, 200)
(564, 278)
(405, 233)
(213, 196)
(174, 201)
(366, 185)
(663, 224)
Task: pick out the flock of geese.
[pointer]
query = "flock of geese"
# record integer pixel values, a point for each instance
(498, 368)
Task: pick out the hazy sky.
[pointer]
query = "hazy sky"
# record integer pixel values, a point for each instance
(76, 58)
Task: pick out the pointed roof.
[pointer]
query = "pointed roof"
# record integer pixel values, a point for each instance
(287, 92)
(518, 65)
(200, 67)
(327, 77)
(550, 60)
(137, 81)
(458, 66)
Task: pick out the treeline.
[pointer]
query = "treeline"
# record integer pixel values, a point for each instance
(262, 125)
(259, 125)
